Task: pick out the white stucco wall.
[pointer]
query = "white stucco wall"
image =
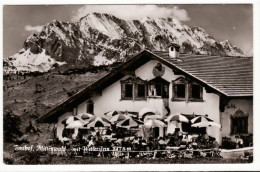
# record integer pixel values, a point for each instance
(110, 98)
(209, 106)
(246, 105)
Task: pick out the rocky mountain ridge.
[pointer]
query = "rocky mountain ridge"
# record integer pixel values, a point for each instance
(102, 39)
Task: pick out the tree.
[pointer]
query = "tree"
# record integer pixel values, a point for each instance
(31, 128)
(12, 124)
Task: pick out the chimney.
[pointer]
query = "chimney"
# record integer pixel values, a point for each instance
(174, 50)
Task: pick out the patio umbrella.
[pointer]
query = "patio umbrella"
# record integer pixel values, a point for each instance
(177, 117)
(129, 123)
(112, 113)
(129, 114)
(200, 119)
(118, 118)
(75, 124)
(151, 123)
(206, 124)
(85, 116)
(70, 119)
(98, 122)
(172, 125)
(153, 116)
(145, 111)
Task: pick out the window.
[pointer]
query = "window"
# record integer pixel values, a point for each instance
(239, 123)
(195, 92)
(184, 90)
(133, 89)
(180, 91)
(90, 107)
(158, 87)
(140, 90)
(129, 90)
(179, 87)
(75, 111)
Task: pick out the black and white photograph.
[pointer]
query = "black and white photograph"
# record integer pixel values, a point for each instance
(128, 84)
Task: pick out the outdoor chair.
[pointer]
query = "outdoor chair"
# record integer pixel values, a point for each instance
(215, 152)
(149, 154)
(173, 153)
(196, 153)
(187, 154)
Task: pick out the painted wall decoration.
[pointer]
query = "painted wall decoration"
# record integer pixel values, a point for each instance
(158, 70)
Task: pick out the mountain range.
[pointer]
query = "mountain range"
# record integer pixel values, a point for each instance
(102, 39)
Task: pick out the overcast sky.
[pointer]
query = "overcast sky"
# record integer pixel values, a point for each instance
(232, 22)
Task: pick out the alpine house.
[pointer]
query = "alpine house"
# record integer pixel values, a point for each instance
(220, 87)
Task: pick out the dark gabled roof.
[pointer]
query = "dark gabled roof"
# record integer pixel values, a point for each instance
(232, 76)
(228, 76)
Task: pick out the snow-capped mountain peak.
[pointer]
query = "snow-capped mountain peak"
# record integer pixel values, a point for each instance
(102, 39)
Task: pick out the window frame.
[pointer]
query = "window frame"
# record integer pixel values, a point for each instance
(177, 90)
(179, 81)
(134, 81)
(88, 103)
(136, 97)
(158, 81)
(123, 88)
(188, 90)
(239, 115)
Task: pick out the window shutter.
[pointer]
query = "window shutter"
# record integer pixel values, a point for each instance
(122, 90)
(189, 91)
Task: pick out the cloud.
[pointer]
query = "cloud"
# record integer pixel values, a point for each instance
(30, 28)
(131, 12)
(181, 14)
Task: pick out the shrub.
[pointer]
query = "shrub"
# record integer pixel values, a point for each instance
(34, 157)
(32, 128)
(12, 124)
(39, 88)
(8, 158)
